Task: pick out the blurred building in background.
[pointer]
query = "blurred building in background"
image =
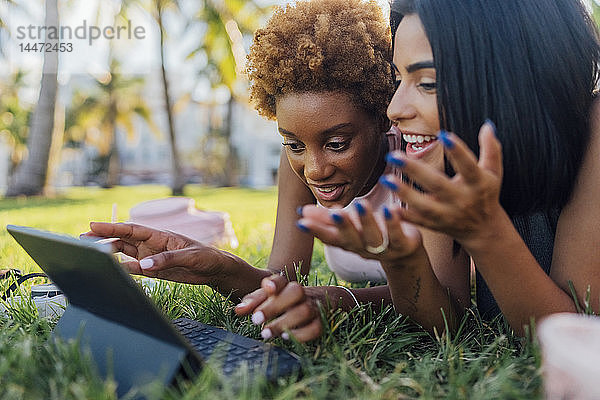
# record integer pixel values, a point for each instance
(4, 163)
(146, 158)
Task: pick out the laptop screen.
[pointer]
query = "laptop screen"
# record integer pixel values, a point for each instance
(90, 277)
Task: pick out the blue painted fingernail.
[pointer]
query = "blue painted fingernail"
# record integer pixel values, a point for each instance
(360, 208)
(387, 213)
(398, 162)
(299, 211)
(386, 182)
(302, 227)
(492, 124)
(337, 218)
(445, 139)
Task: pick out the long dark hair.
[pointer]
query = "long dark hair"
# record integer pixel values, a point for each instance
(529, 66)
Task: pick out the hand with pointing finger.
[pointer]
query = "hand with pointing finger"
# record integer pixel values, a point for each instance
(171, 256)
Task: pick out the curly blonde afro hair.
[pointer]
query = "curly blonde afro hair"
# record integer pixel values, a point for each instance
(323, 45)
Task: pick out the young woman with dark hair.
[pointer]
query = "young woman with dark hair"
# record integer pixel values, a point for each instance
(518, 196)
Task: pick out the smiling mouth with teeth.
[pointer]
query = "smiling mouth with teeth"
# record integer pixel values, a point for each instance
(329, 193)
(419, 142)
(327, 189)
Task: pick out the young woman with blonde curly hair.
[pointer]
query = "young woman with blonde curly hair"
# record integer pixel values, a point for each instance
(321, 68)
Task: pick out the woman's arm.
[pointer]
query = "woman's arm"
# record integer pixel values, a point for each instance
(291, 247)
(575, 258)
(576, 255)
(521, 288)
(168, 255)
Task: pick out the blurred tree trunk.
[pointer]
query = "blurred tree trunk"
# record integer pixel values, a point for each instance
(178, 183)
(232, 167)
(30, 177)
(58, 133)
(113, 162)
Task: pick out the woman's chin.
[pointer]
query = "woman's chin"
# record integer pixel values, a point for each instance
(432, 154)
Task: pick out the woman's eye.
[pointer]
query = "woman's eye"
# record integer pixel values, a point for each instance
(337, 146)
(295, 147)
(428, 86)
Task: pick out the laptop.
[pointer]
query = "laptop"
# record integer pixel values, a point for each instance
(127, 335)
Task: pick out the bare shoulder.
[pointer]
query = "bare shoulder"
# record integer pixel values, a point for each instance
(578, 232)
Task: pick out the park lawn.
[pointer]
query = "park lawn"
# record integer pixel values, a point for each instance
(360, 355)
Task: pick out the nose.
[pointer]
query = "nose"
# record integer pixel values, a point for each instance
(317, 166)
(401, 106)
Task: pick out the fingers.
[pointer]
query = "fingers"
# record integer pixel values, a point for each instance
(371, 232)
(365, 230)
(185, 257)
(306, 333)
(133, 267)
(287, 308)
(277, 304)
(421, 205)
(404, 239)
(125, 248)
(296, 318)
(490, 157)
(462, 159)
(270, 286)
(434, 182)
(342, 229)
(274, 284)
(91, 236)
(318, 214)
(121, 230)
(460, 156)
(250, 302)
(332, 227)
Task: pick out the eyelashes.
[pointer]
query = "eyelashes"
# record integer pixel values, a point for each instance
(295, 147)
(333, 146)
(427, 86)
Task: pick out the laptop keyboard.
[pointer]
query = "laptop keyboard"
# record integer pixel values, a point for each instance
(232, 350)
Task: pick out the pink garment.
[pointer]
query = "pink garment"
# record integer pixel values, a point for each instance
(350, 266)
(180, 215)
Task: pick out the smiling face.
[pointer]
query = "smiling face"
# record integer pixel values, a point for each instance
(413, 109)
(334, 147)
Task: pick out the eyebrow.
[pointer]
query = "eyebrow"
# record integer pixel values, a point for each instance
(326, 131)
(416, 66)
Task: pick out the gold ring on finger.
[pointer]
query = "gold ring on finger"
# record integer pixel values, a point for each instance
(379, 249)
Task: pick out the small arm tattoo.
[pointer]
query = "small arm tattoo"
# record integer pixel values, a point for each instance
(417, 287)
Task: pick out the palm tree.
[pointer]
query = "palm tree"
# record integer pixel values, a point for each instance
(14, 115)
(226, 24)
(30, 176)
(157, 9)
(113, 104)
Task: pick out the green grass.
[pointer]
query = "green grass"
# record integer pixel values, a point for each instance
(360, 355)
